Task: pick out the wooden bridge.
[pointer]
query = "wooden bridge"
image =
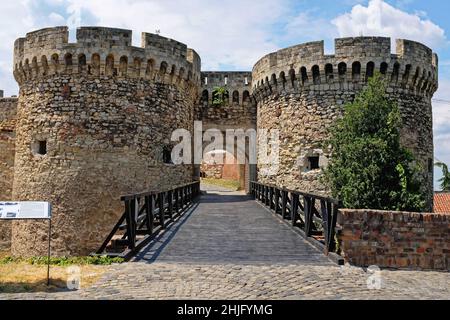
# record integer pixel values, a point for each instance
(213, 225)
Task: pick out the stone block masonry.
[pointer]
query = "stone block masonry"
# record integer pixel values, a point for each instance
(237, 111)
(395, 239)
(94, 120)
(301, 92)
(8, 109)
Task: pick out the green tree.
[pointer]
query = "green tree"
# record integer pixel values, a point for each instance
(369, 167)
(445, 180)
(219, 96)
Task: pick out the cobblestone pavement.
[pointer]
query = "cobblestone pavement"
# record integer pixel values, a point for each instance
(239, 282)
(228, 247)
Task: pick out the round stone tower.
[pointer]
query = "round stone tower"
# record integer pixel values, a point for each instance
(95, 120)
(300, 91)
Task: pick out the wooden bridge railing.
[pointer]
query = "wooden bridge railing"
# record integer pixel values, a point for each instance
(145, 216)
(315, 215)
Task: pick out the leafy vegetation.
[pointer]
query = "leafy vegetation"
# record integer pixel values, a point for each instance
(445, 180)
(228, 184)
(369, 167)
(219, 95)
(63, 261)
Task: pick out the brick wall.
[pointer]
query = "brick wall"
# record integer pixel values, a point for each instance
(395, 239)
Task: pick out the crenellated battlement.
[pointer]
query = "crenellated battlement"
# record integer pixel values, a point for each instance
(237, 84)
(414, 67)
(101, 51)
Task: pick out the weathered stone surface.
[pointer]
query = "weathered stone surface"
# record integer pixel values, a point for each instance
(106, 111)
(225, 258)
(8, 108)
(300, 91)
(237, 112)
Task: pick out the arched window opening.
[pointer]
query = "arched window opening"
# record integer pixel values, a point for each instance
(150, 67)
(137, 67)
(109, 68)
(236, 97)
(423, 81)
(173, 71)
(205, 96)
(81, 63)
(384, 68)
(370, 69)
(35, 67)
(304, 75)
(123, 67)
(274, 79)
(316, 74)
(95, 64)
(163, 68)
(226, 97)
(181, 74)
(292, 77)
(44, 64)
(329, 72)
(342, 70)
(283, 78)
(68, 59)
(27, 68)
(407, 74)
(356, 70)
(395, 72)
(55, 63)
(246, 96)
(416, 76)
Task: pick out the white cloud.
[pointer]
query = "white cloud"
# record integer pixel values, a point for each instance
(16, 20)
(234, 32)
(56, 19)
(309, 27)
(225, 33)
(381, 19)
(441, 119)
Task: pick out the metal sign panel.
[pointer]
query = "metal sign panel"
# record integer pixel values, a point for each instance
(13, 210)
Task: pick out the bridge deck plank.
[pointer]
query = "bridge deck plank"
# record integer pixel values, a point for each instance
(229, 227)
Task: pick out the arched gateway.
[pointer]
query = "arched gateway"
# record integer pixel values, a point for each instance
(94, 118)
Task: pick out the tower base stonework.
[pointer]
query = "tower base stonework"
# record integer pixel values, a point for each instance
(301, 92)
(90, 131)
(8, 108)
(95, 119)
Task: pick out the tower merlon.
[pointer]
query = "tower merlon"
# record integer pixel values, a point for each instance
(413, 66)
(47, 52)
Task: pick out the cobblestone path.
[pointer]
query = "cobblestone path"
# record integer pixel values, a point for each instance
(229, 247)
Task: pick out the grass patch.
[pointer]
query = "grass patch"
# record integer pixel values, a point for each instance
(18, 275)
(63, 261)
(23, 277)
(228, 184)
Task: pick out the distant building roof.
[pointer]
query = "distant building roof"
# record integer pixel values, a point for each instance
(442, 202)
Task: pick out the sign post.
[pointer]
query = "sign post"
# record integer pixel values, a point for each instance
(28, 210)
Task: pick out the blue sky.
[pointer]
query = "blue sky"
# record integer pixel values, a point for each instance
(234, 34)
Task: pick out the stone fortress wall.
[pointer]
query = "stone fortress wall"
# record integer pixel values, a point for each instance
(301, 91)
(238, 111)
(8, 109)
(94, 120)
